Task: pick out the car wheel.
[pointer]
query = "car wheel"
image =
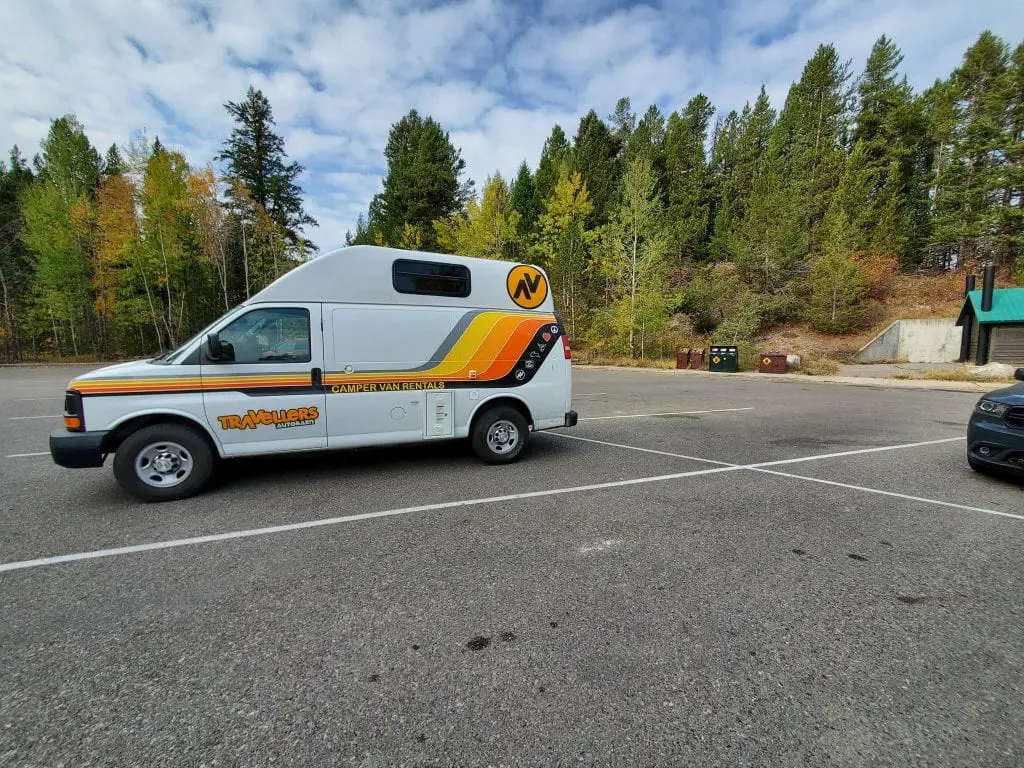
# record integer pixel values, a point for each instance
(163, 462)
(500, 435)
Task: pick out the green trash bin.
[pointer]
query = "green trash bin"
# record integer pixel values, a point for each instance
(724, 359)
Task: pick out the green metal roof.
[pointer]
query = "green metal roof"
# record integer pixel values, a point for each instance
(1007, 306)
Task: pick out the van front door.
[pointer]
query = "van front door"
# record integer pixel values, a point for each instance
(264, 393)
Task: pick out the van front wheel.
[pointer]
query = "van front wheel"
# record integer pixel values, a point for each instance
(163, 462)
(500, 435)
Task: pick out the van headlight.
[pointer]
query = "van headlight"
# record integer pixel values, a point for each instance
(992, 408)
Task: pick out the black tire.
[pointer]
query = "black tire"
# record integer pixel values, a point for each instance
(184, 444)
(486, 448)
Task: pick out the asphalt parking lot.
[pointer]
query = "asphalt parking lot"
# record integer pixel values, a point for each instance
(706, 571)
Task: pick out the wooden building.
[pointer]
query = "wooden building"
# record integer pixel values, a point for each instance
(996, 334)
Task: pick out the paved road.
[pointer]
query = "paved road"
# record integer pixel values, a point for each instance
(863, 609)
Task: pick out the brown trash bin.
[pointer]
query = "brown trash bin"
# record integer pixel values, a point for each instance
(696, 358)
(682, 357)
(772, 362)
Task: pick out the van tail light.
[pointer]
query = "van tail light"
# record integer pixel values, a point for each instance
(566, 348)
(74, 419)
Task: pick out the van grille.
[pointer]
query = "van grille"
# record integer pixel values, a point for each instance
(1015, 417)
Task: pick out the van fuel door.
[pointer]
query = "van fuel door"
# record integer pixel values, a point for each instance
(440, 421)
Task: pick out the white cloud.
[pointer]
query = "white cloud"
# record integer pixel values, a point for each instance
(497, 73)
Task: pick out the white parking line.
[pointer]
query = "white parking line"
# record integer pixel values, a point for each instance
(588, 394)
(643, 450)
(35, 399)
(761, 467)
(22, 564)
(47, 416)
(887, 493)
(23, 455)
(669, 413)
(724, 467)
(855, 453)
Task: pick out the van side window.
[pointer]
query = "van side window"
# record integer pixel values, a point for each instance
(271, 335)
(430, 278)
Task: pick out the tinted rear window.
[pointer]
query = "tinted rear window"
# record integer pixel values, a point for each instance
(430, 278)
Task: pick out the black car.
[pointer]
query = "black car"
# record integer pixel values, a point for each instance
(995, 433)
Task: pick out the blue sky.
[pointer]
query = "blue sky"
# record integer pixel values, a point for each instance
(496, 73)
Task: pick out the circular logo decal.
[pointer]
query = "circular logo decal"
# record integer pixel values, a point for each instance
(527, 286)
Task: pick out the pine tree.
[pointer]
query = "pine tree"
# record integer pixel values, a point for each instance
(15, 264)
(688, 178)
(648, 140)
(633, 256)
(595, 158)
(113, 164)
(1010, 224)
(724, 153)
(553, 157)
(255, 155)
(489, 228)
(565, 245)
(753, 134)
(891, 126)
(58, 222)
(622, 121)
(807, 144)
(968, 184)
(523, 198)
(837, 284)
(423, 182)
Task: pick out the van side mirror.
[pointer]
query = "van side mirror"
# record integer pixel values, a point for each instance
(213, 350)
(218, 350)
(1019, 374)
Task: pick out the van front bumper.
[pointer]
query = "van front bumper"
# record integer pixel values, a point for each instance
(571, 419)
(77, 450)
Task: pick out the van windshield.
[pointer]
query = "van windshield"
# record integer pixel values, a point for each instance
(167, 358)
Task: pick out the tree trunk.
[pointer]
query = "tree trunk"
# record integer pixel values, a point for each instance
(632, 296)
(224, 275)
(245, 260)
(9, 321)
(152, 307)
(74, 340)
(56, 338)
(169, 320)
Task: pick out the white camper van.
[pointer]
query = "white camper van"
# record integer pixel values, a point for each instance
(362, 346)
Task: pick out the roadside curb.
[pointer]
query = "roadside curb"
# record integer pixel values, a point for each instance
(852, 381)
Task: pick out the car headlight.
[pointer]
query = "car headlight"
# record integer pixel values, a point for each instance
(992, 408)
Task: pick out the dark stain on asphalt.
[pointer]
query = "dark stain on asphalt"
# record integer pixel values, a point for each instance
(554, 624)
(478, 643)
(799, 552)
(887, 543)
(508, 637)
(913, 599)
(421, 738)
(415, 647)
(859, 558)
(374, 678)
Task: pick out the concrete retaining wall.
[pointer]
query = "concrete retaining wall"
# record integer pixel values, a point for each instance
(916, 341)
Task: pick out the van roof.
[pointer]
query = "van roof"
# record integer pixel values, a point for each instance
(362, 274)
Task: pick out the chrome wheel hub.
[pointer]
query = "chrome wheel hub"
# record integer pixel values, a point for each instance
(164, 464)
(502, 436)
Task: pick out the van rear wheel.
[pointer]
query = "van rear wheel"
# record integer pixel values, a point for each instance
(500, 435)
(163, 462)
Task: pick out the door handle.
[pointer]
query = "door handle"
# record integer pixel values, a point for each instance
(316, 377)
